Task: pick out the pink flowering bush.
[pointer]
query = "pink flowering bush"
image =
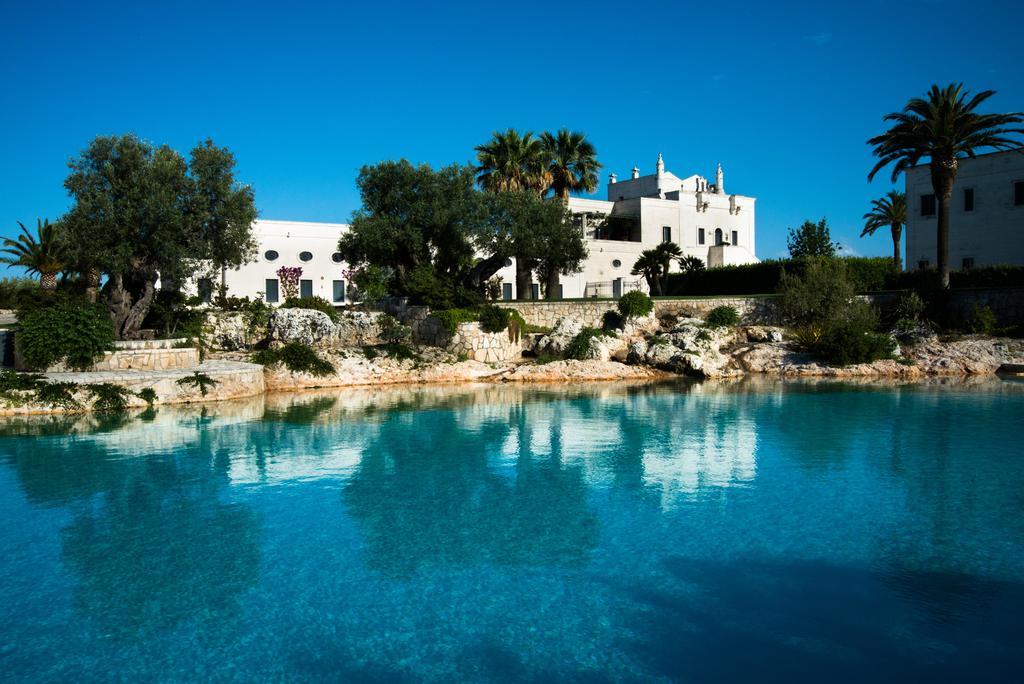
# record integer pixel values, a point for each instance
(289, 276)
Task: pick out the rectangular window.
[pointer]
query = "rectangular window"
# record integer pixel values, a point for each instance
(1018, 194)
(205, 290)
(506, 291)
(967, 263)
(969, 199)
(305, 288)
(666, 234)
(339, 291)
(923, 264)
(735, 238)
(271, 290)
(927, 205)
(700, 236)
(535, 289)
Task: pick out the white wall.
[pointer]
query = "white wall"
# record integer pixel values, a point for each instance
(289, 239)
(993, 233)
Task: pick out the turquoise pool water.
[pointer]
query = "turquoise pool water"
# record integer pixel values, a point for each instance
(768, 531)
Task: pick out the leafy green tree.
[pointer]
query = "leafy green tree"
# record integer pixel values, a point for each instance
(130, 219)
(565, 247)
(571, 161)
(421, 224)
(35, 253)
(943, 127)
(811, 240)
(888, 212)
(223, 210)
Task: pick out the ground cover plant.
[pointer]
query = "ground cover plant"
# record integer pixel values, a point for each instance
(61, 327)
(296, 357)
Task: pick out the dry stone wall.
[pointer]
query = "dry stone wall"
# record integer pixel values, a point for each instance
(137, 355)
(752, 310)
(469, 340)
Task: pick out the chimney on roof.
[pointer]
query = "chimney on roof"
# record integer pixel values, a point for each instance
(612, 179)
(636, 172)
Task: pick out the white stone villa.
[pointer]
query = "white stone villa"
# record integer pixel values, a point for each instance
(986, 219)
(640, 213)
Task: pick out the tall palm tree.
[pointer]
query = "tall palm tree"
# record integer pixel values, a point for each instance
(944, 127)
(511, 161)
(889, 211)
(572, 164)
(514, 162)
(35, 253)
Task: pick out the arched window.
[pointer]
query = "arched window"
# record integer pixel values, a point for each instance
(718, 236)
(305, 256)
(271, 255)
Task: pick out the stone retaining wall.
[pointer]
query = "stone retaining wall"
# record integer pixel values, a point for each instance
(1007, 303)
(752, 310)
(469, 340)
(137, 355)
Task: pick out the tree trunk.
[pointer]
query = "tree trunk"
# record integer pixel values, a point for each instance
(943, 175)
(524, 276)
(92, 284)
(551, 288)
(126, 314)
(897, 260)
(48, 281)
(223, 282)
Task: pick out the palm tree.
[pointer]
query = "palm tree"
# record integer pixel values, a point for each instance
(944, 127)
(511, 161)
(572, 164)
(649, 266)
(690, 263)
(35, 253)
(667, 253)
(514, 162)
(890, 211)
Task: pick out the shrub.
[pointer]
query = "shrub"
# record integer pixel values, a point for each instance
(398, 351)
(819, 296)
(371, 283)
(722, 317)
(200, 381)
(148, 395)
(108, 397)
(908, 308)
(64, 328)
(850, 343)
(314, 303)
(450, 318)
(981, 320)
(658, 341)
(612, 320)
(296, 357)
(579, 347)
(58, 395)
(393, 332)
(635, 304)
(494, 318)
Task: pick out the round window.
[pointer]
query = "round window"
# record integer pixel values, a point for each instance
(271, 255)
(616, 263)
(508, 262)
(305, 256)
(336, 257)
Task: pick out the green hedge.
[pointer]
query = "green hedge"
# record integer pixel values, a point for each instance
(314, 303)
(868, 274)
(57, 327)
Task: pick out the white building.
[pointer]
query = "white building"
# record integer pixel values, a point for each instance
(639, 214)
(986, 219)
(644, 211)
(310, 246)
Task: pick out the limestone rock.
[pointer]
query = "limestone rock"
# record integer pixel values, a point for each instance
(560, 336)
(302, 325)
(762, 333)
(231, 331)
(357, 328)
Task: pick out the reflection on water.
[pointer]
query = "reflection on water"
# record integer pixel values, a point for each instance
(629, 531)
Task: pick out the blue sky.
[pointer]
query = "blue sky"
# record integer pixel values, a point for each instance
(783, 95)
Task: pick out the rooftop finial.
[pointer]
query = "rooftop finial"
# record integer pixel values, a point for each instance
(612, 178)
(719, 181)
(636, 172)
(660, 167)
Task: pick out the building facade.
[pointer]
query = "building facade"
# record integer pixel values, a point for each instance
(639, 214)
(311, 246)
(986, 219)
